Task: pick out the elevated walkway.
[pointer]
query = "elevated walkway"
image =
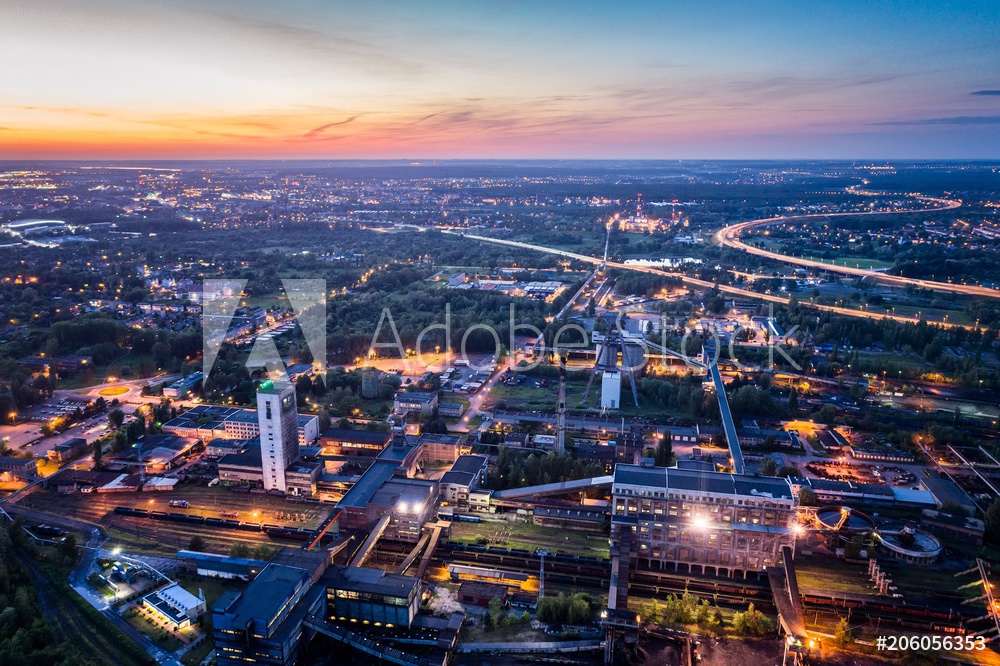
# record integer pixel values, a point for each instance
(621, 560)
(561, 488)
(413, 554)
(785, 589)
(368, 546)
(732, 439)
(323, 528)
(666, 351)
(425, 561)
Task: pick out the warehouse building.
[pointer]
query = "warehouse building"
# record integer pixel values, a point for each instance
(694, 519)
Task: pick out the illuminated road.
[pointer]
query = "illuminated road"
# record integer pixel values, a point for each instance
(730, 237)
(736, 291)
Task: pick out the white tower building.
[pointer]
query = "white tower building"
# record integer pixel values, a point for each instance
(279, 431)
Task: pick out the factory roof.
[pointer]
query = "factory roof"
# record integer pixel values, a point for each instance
(365, 487)
(465, 469)
(672, 478)
(266, 597)
(250, 457)
(347, 434)
(371, 581)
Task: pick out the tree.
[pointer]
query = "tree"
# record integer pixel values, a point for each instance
(751, 622)
(120, 441)
(116, 417)
(793, 401)
(789, 470)
(263, 552)
(768, 467)
(495, 609)
(324, 420)
(664, 451)
(196, 543)
(239, 549)
(842, 634)
(98, 453)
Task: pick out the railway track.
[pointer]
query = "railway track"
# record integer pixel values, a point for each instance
(69, 623)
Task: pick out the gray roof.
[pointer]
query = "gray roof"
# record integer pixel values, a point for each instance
(469, 463)
(265, 598)
(372, 581)
(421, 397)
(364, 489)
(350, 435)
(672, 478)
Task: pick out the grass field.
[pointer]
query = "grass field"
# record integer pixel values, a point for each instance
(930, 314)
(832, 576)
(528, 536)
(528, 398)
(914, 583)
(113, 391)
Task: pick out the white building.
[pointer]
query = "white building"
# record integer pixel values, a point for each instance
(175, 605)
(279, 436)
(611, 390)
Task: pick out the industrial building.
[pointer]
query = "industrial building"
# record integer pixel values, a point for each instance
(465, 475)
(17, 468)
(415, 402)
(691, 518)
(154, 453)
(440, 447)
(264, 623)
(378, 492)
(350, 442)
(371, 596)
(182, 387)
(209, 422)
(67, 450)
(299, 477)
(267, 622)
(175, 606)
(219, 566)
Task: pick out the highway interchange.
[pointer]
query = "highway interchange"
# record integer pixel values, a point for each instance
(729, 236)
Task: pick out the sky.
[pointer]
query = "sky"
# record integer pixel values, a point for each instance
(172, 79)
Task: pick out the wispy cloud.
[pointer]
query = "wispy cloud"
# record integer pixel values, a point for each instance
(955, 120)
(986, 93)
(318, 131)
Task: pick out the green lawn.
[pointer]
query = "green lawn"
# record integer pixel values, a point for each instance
(914, 583)
(831, 575)
(159, 635)
(544, 399)
(528, 536)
